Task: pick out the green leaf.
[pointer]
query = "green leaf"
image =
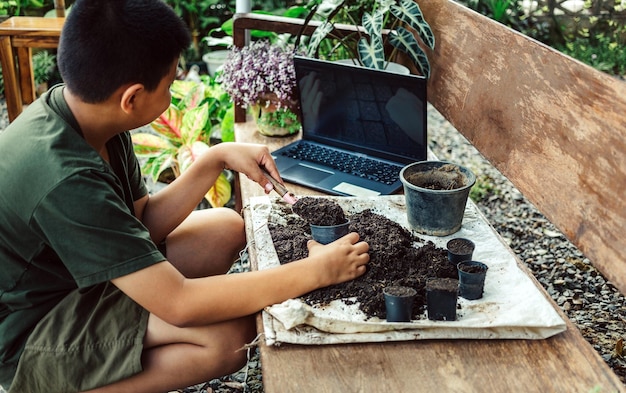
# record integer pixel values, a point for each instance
(156, 165)
(404, 40)
(228, 125)
(410, 13)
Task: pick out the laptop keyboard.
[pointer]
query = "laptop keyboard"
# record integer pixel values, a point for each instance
(348, 163)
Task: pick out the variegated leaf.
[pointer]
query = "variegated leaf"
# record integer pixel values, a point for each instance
(149, 144)
(181, 88)
(318, 36)
(404, 40)
(189, 153)
(156, 165)
(410, 13)
(194, 121)
(328, 8)
(371, 53)
(169, 124)
(220, 193)
(193, 97)
(373, 24)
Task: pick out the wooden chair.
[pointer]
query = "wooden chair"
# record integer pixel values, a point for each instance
(18, 35)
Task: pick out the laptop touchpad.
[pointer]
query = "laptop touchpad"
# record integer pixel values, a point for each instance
(306, 173)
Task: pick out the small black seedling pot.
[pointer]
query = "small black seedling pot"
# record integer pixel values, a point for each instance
(399, 303)
(472, 279)
(460, 249)
(441, 297)
(325, 234)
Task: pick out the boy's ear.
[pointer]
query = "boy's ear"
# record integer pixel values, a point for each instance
(129, 97)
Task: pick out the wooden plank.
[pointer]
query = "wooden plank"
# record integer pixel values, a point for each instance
(552, 125)
(562, 363)
(24, 25)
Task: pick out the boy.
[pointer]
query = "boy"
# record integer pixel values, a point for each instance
(88, 301)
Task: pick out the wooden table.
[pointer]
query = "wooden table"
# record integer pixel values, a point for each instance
(18, 35)
(562, 363)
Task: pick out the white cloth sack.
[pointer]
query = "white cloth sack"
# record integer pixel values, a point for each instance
(512, 306)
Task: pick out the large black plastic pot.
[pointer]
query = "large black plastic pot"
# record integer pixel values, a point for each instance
(436, 193)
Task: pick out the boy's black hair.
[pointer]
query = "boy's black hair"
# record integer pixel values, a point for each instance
(106, 44)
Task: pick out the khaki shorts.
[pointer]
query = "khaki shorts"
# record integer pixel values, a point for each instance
(92, 338)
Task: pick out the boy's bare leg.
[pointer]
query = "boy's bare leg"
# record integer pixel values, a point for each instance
(206, 243)
(180, 357)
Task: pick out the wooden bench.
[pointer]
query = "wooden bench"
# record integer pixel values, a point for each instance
(18, 35)
(556, 129)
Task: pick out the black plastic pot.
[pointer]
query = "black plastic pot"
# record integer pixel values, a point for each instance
(327, 234)
(460, 249)
(441, 297)
(472, 279)
(436, 210)
(399, 303)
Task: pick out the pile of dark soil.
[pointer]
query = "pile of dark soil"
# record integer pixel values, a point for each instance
(319, 211)
(395, 259)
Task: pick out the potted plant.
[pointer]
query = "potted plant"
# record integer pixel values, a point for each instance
(393, 22)
(262, 76)
(183, 132)
(44, 64)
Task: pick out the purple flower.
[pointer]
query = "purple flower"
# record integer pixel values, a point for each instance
(252, 73)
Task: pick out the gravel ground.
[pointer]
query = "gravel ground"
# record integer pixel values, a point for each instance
(588, 299)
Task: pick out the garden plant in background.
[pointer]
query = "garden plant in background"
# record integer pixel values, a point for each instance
(184, 131)
(261, 76)
(367, 45)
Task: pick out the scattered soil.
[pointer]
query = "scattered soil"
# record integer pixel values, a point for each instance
(397, 258)
(460, 246)
(446, 177)
(319, 211)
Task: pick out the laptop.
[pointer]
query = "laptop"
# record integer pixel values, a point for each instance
(360, 126)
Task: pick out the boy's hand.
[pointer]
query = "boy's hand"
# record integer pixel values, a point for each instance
(249, 158)
(342, 260)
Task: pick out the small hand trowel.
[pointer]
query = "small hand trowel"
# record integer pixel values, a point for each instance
(281, 190)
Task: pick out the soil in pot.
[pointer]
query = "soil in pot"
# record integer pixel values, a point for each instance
(472, 279)
(397, 257)
(460, 249)
(319, 211)
(441, 299)
(446, 177)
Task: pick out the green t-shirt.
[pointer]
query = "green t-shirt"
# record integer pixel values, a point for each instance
(66, 218)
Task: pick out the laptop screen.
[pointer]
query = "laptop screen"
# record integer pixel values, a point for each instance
(364, 110)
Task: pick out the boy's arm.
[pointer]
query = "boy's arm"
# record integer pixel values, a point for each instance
(164, 211)
(163, 291)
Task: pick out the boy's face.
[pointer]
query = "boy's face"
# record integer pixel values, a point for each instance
(159, 100)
